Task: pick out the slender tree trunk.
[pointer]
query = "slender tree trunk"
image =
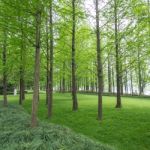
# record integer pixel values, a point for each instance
(118, 105)
(139, 73)
(36, 71)
(148, 3)
(63, 79)
(99, 63)
(48, 63)
(126, 81)
(121, 76)
(109, 76)
(50, 101)
(22, 88)
(60, 85)
(63, 85)
(4, 70)
(92, 84)
(113, 80)
(84, 84)
(22, 62)
(74, 86)
(87, 84)
(131, 79)
(22, 83)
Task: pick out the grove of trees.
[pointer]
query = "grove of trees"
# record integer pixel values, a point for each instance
(74, 46)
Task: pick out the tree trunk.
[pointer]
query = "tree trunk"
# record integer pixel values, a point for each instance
(87, 84)
(148, 3)
(4, 70)
(60, 85)
(121, 76)
(63, 79)
(113, 80)
(36, 71)
(126, 81)
(109, 76)
(99, 63)
(47, 62)
(131, 82)
(139, 73)
(22, 83)
(22, 62)
(118, 105)
(50, 101)
(74, 86)
(22, 88)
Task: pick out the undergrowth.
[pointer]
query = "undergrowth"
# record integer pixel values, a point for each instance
(16, 134)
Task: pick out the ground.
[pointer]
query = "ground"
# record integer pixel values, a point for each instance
(16, 134)
(127, 128)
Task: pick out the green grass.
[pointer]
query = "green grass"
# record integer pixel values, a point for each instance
(16, 134)
(126, 129)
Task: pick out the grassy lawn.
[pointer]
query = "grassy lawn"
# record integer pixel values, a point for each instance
(126, 129)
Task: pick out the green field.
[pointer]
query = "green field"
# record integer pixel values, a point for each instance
(126, 129)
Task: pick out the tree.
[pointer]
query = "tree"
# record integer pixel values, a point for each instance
(74, 86)
(36, 69)
(118, 72)
(50, 100)
(99, 63)
(4, 68)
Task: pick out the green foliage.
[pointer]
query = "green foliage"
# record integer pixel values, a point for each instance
(16, 134)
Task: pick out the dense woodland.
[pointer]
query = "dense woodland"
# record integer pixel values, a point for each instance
(94, 46)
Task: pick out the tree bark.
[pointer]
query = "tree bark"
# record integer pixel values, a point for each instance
(48, 62)
(139, 73)
(113, 80)
(118, 105)
(74, 86)
(36, 71)
(50, 100)
(99, 63)
(22, 61)
(109, 76)
(63, 79)
(148, 3)
(22, 88)
(120, 75)
(22, 82)
(4, 70)
(126, 81)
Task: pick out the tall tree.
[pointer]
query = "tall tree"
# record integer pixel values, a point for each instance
(47, 60)
(118, 105)
(99, 62)
(22, 70)
(36, 69)
(74, 86)
(4, 58)
(109, 76)
(50, 100)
